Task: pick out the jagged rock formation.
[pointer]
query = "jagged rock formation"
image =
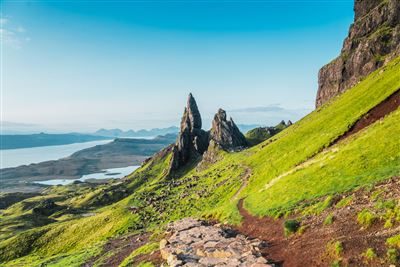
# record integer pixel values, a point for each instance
(192, 141)
(373, 40)
(225, 133)
(197, 243)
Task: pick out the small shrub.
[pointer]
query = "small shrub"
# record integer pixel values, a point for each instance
(319, 207)
(278, 214)
(388, 223)
(344, 202)
(376, 194)
(385, 204)
(392, 255)
(366, 218)
(291, 226)
(329, 219)
(394, 241)
(335, 249)
(370, 254)
(338, 246)
(302, 229)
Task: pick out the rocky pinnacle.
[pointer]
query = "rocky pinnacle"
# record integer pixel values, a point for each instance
(225, 133)
(192, 141)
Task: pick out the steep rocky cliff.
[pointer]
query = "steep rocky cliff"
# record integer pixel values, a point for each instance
(373, 40)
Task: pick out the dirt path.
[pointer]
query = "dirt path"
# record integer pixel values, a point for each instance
(387, 106)
(245, 178)
(311, 247)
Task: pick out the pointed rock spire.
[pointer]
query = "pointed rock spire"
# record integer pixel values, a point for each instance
(193, 112)
(192, 141)
(225, 133)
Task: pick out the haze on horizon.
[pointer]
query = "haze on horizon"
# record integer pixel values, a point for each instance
(70, 66)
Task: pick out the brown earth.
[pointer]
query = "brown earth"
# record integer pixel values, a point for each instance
(310, 247)
(387, 106)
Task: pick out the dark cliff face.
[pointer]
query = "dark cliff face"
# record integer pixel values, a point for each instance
(225, 133)
(373, 40)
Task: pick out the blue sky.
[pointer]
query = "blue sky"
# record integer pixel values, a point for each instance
(82, 65)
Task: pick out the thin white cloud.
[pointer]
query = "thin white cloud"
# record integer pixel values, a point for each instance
(3, 21)
(12, 37)
(267, 115)
(20, 29)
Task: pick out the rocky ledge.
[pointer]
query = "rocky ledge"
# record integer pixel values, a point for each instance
(373, 41)
(197, 243)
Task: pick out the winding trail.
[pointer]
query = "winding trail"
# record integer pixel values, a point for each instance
(245, 178)
(310, 247)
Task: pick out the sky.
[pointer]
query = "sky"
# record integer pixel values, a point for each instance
(72, 65)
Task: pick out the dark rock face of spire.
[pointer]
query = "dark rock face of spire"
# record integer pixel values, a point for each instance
(225, 133)
(192, 141)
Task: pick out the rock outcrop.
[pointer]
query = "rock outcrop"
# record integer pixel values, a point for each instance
(192, 141)
(225, 133)
(197, 243)
(373, 40)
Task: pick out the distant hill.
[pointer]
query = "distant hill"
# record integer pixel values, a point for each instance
(260, 134)
(42, 139)
(121, 152)
(140, 133)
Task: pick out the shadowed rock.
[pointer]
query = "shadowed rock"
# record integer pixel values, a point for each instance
(192, 141)
(373, 40)
(225, 133)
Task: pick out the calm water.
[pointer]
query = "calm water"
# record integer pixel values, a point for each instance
(108, 173)
(26, 156)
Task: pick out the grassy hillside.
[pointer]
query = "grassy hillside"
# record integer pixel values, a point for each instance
(300, 163)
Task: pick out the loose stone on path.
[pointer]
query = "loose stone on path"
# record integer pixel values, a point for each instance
(197, 243)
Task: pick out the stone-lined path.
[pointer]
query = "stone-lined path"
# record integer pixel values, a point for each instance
(197, 243)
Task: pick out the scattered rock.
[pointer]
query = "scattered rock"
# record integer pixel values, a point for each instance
(197, 243)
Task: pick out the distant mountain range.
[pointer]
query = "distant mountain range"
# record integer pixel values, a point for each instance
(13, 141)
(140, 133)
(156, 131)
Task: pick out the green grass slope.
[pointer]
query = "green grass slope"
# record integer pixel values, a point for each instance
(298, 163)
